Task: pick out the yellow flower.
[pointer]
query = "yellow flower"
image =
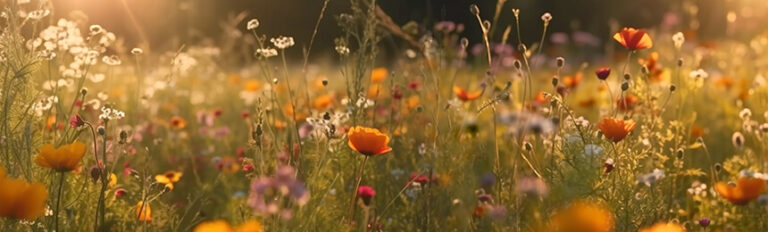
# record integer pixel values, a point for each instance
(20, 199)
(378, 75)
(143, 212)
(168, 178)
(663, 227)
(112, 180)
(368, 141)
(223, 226)
(746, 190)
(178, 122)
(616, 129)
(252, 86)
(582, 216)
(62, 159)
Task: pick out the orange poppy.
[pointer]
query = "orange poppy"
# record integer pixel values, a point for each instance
(746, 190)
(663, 227)
(375, 90)
(20, 199)
(143, 212)
(61, 159)
(223, 226)
(177, 122)
(656, 72)
(573, 80)
(465, 95)
(616, 129)
(322, 102)
(368, 141)
(627, 103)
(252, 86)
(633, 39)
(413, 101)
(583, 217)
(378, 75)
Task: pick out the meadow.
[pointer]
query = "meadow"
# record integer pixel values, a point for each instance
(645, 129)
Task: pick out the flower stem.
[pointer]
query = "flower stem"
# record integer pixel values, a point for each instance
(58, 202)
(357, 185)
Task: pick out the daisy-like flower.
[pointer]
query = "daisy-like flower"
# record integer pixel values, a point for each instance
(368, 141)
(111, 114)
(633, 39)
(169, 178)
(699, 73)
(223, 226)
(253, 24)
(663, 227)
(616, 129)
(282, 42)
(678, 39)
(20, 199)
(745, 190)
(61, 159)
(143, 212)
(582, 216)
(546, 17)
(465, 95)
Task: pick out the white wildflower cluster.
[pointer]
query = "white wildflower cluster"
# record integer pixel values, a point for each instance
(342, 50)
(753, 174)
(699, 74)
(44, 105)
(698, 189)
(266, 52)
(651, 178)
(678, 39)
(182, 63)
(35, 14)
(253, 24)
(282, 42)
(108, 113)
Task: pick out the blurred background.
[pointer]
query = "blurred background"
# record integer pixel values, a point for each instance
(168, 22)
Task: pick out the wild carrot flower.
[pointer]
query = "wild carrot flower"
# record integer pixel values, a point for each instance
(168, 178)
(62, 159)
(465, 95)
(745, 190)
(663, 227)
(616, 129)
(582, 216)
(378, 75)
(143, 212)
(368, 141)
(633, 39)
(20, 199)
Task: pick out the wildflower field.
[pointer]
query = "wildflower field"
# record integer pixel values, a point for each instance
(387, 126)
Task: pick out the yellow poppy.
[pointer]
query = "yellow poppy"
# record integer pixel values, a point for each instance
(322, 102)
(223, 226)
(62, 159)
(168, 178)
(252, 86)
(663, 227)
(368, 141)
(143, 212)
(20, 199)
(378, 75)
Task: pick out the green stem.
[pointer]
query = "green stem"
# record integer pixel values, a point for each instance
(58, 202)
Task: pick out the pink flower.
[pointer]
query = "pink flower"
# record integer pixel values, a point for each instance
(366, 193)
(76, 121)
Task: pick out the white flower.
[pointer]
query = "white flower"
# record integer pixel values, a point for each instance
(282, 42)
(96, 29)
(111, 114)
(699, 73)
(678, 39)
(266, 52)
(112, 60)
(253, 24)
(137, 51)
(546, 17)
(38, 14)
(342, 50)
(183, 62)
(96, 78)
(745, 114)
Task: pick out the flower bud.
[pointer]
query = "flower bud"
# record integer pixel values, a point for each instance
(603, 73)
(624, 86)
(474, 9)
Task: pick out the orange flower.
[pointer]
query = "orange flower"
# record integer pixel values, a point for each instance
(288, 110)
(168, 178)
(62, 159)
(20, 199)
(223, 226)
(465, 95)
(746, 190)
(177, 122)
(413, 101)
(627, 103)
(252, 86)
(633, 39)
(573, 81)
(663, 227)
(375, 90)
(616, 129)
(368, 141)
(582, 217)
(322, 102)
(378, 75)
(50, 122)
(143, 212)
(656, 72)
